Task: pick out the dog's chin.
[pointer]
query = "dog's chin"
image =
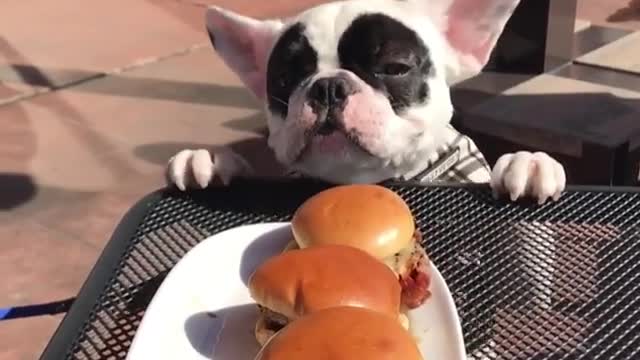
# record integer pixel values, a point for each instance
(339, 158)
(336, 144)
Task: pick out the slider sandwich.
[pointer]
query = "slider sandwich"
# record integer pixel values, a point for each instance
(302, 281)
(371, 218)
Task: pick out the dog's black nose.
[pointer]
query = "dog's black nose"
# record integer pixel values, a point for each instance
(330, 92)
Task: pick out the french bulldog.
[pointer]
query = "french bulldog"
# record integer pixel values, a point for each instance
(358, 91)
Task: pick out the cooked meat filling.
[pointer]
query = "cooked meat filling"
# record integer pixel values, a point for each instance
(412, 266)
(273, 321)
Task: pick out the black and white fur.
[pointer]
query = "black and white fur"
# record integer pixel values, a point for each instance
(358, 91)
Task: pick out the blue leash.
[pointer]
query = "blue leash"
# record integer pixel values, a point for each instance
(52, 308)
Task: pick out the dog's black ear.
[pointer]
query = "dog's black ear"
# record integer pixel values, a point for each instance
(244, 44)
(471, 29)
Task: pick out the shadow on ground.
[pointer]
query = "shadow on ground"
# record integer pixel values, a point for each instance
(629, 13)
(15, 190)
(130, 86)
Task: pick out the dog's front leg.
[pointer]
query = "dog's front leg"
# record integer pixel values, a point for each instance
(198, 168)
(524, 174)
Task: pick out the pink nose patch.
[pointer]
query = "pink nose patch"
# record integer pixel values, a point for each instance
(365, 114)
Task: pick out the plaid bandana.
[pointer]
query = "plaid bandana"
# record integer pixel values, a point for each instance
(458, 161)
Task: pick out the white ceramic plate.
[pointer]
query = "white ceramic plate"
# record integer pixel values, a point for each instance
(203, 309)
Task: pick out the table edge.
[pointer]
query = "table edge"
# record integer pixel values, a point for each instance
(59, 344)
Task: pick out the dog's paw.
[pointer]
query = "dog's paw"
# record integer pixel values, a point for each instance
(528, 174)
(198, 168)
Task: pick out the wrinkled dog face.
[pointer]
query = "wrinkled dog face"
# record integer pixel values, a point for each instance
(354, 95)
(355, 91)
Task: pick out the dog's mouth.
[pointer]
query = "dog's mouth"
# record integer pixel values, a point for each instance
(330, 136)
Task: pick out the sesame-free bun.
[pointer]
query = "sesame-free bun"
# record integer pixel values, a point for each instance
(370, 217)
(302, 281)
(342, 333)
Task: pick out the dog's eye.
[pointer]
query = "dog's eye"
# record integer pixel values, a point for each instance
(395, 69)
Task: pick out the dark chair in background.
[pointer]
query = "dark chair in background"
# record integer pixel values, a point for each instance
(591, 133)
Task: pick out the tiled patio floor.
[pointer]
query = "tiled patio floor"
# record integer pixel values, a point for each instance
(94, 98)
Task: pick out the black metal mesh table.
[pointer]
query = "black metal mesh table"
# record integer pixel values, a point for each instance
(559, 281)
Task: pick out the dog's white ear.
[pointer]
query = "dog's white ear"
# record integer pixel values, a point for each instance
(471, 29)
(244, 44)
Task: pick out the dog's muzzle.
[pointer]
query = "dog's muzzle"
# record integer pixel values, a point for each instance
(327, 98)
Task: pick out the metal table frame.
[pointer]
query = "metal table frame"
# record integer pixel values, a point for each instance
(95, 284)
